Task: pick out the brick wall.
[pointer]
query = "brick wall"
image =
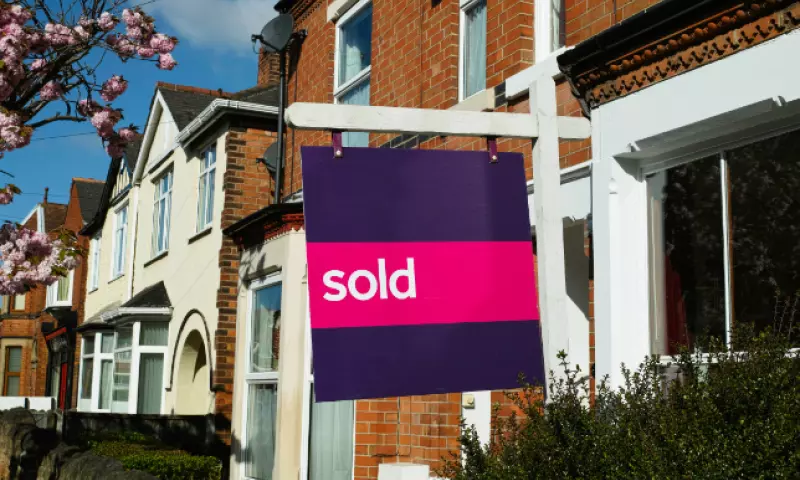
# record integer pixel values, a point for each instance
(586, 18)
(248, 188)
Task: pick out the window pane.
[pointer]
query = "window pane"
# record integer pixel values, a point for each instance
(124, 337)
(558, 19)
(330, 454)
(88, 345)
(259, 450)
(87, 370)
(475, 49)
(14, 364)
(210, 197)
(201, 201)
(355, 45)
(105, 384)
(151, 383)
(358, 95)
(154, 334)
(265, 329)
(764, 201)
(122, 375)
(107, 343)
(12, 386)
(691, 253)
(19, 302)
(63, 289)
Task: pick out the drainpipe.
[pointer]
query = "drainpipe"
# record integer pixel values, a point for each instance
(133, 223)
(281, 111)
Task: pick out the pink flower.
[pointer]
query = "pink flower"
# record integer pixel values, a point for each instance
(104, 121)
(131, 18)
(128, 134)
(166, 62)
(115, 150)
(87, 107)
(106, 22)
(15, 137)
(112, 40)
(125, 48)
(113, 88)
(145, 52)
(134, 33)
(81, 32)
(58, 35)
(51, 91)
(38, 64)
(162, 43)
(30, 258)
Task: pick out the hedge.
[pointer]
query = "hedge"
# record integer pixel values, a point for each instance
(137, 452)
(726, 415)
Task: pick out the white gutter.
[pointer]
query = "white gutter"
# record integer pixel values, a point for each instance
(108, 317)
(215, 110)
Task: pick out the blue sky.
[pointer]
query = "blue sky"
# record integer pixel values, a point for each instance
(214, 52)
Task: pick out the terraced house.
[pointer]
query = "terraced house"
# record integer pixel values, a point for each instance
(154, 341)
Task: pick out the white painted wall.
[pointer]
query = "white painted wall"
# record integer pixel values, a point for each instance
(619, 192)
(190, 271)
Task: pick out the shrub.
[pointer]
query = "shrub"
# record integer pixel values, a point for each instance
(727, 415)
(138, 452)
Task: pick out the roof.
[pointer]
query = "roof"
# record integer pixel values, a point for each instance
(154, 296)
(131, 153)
(90, 193)
(185, 106)
(54, 216)
(96, 321)
(264, 95)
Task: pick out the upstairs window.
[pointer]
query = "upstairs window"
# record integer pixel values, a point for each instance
(353, 64)
(120, 239)
(94, 263)
(473, 48)
(11, 377)
(59, 294)
(161, 210)
(18, 303)
(558, 20)
(206, 185)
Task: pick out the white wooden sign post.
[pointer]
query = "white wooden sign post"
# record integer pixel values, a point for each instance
(542, 125)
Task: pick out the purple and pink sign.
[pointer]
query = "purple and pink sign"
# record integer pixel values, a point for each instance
(420, 272)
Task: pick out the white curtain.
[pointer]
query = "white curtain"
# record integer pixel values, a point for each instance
(154, 334)
(355, 50)
(105, 384)
(331, 444)
(86, 379)
(151, 383)
(358, 95)
(475, 58)
(260, 445)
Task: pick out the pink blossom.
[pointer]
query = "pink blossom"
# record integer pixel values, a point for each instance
(81, 32)
(38, 64)
(113, 39)
(113, 88)
(134, 33)
(7, 194)
(128, 134)
(104, 121)
(6, 88)
(19, 14)
(58, 35)
(51, 91)
(131, 18)
(30, 258)
(106, 22)
(9, 119)
(166, 62)
(87, 107)
(162, 43)
(115, 150)
(37, 42)
(15, 137)
(13, 30)
(125, 48)
(145, 52)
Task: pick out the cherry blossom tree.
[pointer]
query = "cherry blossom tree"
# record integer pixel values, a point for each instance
(50, 53)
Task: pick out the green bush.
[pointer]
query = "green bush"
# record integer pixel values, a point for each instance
(138, 452)
(733, 415)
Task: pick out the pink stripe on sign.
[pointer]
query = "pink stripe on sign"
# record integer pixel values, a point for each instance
(420, 283)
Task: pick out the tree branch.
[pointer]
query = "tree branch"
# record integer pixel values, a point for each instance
(56, 118)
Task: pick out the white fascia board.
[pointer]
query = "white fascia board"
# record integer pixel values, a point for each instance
(518, 84)
(30, 214)
(160, 106)
(118, 313)
(216, 109)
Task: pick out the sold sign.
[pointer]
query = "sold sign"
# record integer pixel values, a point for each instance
(420, 272)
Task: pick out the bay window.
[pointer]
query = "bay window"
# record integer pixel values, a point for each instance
(725, 244)
(261, 377)
(353, 60)
(472, 56)
(205, 196)
(96, 370)
(162, 204)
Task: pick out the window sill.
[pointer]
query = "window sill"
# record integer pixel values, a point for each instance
(202, 233)
(156, 258)
(116, 278)
(92, 290)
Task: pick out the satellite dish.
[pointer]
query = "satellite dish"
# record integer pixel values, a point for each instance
(270, 158)
(276, 33)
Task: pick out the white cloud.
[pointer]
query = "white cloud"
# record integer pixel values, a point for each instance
(220, 25)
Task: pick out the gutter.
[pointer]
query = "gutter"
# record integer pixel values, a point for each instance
(217, 109)
(118, 313)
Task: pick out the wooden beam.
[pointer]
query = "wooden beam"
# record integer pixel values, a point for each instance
(355, 118)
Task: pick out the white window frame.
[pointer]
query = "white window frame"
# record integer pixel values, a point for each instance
(306, 420)
(545, 14)
(167, 176)
(340, 90)
(260, 378)
(207, 172)
(119, 249)
(94, 267)
(465, 6)
(52, 292)
(93, 403)
(137, 349)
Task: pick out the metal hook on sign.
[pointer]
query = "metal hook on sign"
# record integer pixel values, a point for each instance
(491, 145)
(336, 140)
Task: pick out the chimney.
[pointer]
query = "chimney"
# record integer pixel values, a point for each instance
(46, 190)
(268, 69)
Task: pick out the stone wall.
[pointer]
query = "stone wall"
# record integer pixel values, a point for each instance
(28, 452)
